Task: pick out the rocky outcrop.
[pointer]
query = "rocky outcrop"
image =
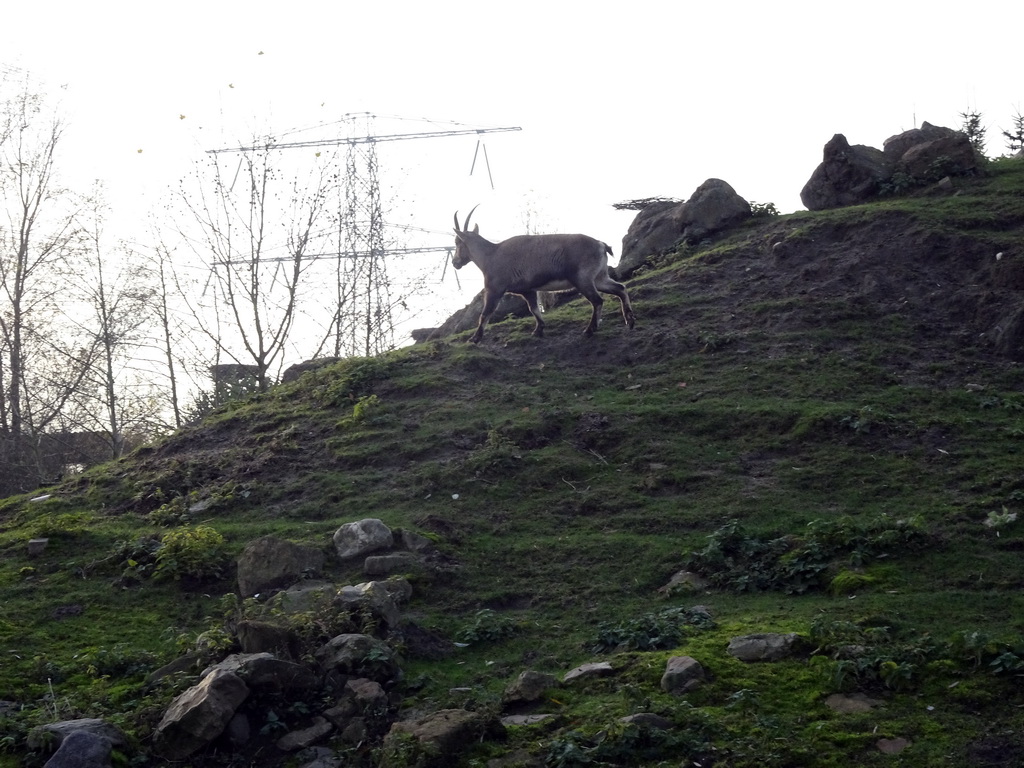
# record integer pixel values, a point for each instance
(853, 174)
(199, 715)
(268, 563)
(848, 174)
(661, 226)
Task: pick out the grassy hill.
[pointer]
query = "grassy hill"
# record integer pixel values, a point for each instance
(820, 414)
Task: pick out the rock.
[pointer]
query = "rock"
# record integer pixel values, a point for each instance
(305, 596)
(270, 563)
(362, 537)
(439, 736)
(186, 664)
(526, 719)
(264, 637)
(764, 646)
(355, 731)
(529, 686)
(238, 730)
(43, 736)
(891, 746)
(466, 318)
(367, 694)
(948, 155)
(684, 581)
(305, 737)
(414, 542)
(659, 227)
(651, 232)
(82, 749)
(293, 372)
(847, 175)
(265, 673)
(36, 547)
(355, 654)
(199, 715)
(648, 719)
(586, 671)
(320, 757)
(682, 674)
(714, 207)
(390, 565)
(374, 597)
(896, 146)
(848, 704)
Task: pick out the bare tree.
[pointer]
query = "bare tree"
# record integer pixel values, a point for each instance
(43, 364)
(256, 225)
(112, 294)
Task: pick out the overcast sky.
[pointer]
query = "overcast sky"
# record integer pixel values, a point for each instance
(615, 101)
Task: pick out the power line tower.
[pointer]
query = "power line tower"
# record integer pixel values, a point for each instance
(362, 322)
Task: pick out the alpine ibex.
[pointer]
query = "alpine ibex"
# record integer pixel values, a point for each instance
(526, 264)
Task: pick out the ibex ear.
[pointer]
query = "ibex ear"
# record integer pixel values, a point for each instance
(476, 229)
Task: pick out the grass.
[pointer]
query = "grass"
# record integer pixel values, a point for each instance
(775, 441)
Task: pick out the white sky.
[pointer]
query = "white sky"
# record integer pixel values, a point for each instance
(616, 101)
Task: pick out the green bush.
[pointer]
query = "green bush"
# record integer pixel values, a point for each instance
(197, 554)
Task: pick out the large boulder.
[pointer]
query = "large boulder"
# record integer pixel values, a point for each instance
(466, 319)
(847, 175)
(199, 715)
(50, 734)
(436, 738)
(270, 563)
(362, 537)
(358, 655)
(265, 673)
(82, 749)
(662, 225)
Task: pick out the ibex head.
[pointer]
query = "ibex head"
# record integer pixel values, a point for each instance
(462, 257)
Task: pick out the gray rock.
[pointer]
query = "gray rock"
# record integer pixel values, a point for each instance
(649, 719)
(373, 596)
(393, 564)
(684, 581)
(199, 715)
(682, 674)
(442, 734)
(270, 563)
(529, 686)
(526, 719)
(847, 175)
(847, 704)
(305, 596)
(355, 654)
(659, 227)
(590, 670)
(362, 537)
(764, 646)
(49, 734)
(305, 737)
(82, 749)
(265, 673)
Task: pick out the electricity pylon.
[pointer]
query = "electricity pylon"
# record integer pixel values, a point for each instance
(362, 323)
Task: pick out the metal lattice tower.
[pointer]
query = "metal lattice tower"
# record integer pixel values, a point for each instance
(362, 323)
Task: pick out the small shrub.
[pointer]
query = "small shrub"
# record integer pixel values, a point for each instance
(652, 631)
(197, 554)
(487, 627)
(763, 210)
